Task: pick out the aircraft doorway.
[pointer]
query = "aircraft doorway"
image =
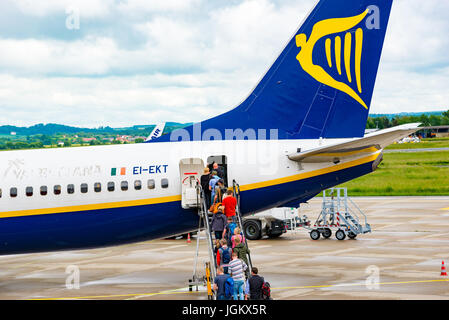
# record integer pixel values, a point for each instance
(190, 170)
(222, 162)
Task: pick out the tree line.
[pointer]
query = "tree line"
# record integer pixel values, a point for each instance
(426, 120)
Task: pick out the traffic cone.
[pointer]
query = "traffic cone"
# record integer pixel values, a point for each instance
(443, 269)
(188, 238)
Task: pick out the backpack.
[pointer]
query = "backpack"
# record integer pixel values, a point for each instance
(231, 228)
(229, 287)
(266, 291)
(225, 255)
(214, 208)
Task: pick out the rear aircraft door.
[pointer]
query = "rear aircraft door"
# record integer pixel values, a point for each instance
(190, 170)
(222, 162)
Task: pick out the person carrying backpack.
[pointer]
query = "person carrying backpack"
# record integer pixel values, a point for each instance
(229, 231)
(220, 285)
(224, 256)
(256, 284)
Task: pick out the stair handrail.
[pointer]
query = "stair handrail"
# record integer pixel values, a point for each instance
(236, 193)
(203, 209)
(359, 210)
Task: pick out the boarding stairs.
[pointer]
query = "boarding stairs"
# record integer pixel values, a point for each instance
(341, 214)
(238, 213)
(353, 218)
(211, 265)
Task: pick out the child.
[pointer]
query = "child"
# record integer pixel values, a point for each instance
(229, 231)
(239, 235)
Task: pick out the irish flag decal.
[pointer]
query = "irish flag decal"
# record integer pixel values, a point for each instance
(114, 171)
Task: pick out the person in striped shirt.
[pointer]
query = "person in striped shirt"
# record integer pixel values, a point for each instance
(237, 268)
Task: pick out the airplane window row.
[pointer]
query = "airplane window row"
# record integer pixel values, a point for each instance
(110, 186)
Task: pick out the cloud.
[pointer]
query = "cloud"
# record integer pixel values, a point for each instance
(142, 61)
(41, 8)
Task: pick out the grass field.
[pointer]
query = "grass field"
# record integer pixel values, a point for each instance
(425, 143)
(405, 174)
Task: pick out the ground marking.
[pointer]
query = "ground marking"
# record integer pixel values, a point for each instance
(360, 284)
(175, 291)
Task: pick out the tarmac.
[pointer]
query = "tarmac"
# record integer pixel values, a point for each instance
(400, 259)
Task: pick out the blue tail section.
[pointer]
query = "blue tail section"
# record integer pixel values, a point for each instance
(321, 84)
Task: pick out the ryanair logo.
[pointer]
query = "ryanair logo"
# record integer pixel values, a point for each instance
(325, 28)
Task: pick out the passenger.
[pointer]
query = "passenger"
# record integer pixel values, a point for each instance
(229, 203)
(237, 235)
(210, 166)
(220, 190)
(242, 250)
(219, 284)
(255, 283)
(212, 182)
(229, 231)
(205, 178)
(238, 268)
(218, 223)
(224, 256)
(217, 246)
(218, 169)
(225, 194)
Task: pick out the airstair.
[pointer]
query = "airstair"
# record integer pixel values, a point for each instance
(211, 265)
(340, 214)
(193, 198)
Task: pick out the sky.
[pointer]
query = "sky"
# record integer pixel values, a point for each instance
(92, 63)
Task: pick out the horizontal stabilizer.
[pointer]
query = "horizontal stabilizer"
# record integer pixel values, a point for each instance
(369, 144)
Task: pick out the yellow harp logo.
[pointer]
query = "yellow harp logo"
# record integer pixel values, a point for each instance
(325, 28)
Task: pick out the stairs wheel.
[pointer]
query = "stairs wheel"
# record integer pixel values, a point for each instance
(340, 235)
(327, 233)
(314, 234)
(352, 235)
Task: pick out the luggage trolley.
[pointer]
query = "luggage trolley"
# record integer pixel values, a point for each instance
(339, 214)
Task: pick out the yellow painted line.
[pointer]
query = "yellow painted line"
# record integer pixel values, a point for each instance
(280, 288)
(133, 203)
(445, 208)
(119, 295)
(97, 206)
(310, 174)
(361, 284)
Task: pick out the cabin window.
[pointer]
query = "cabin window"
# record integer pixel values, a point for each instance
(124, 185)
(164, 183)
(138, 185)
(57, 189)
(151, 184)
(29, 191)
(43, 190)
(70, 188)
(13, 192)
(83, 188)
(97, 187)
(111, 186)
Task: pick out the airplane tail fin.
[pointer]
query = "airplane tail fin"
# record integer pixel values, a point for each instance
(321, 84)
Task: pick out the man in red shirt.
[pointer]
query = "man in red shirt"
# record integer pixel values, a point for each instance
(229, 203)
